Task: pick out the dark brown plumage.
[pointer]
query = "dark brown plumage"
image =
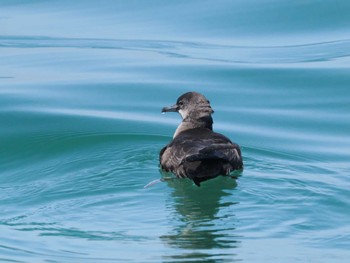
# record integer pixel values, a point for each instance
(196, 152)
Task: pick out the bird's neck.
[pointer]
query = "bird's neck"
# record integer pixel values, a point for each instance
(188, 123)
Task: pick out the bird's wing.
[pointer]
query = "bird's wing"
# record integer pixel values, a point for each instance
(188, 147)
(224, 151)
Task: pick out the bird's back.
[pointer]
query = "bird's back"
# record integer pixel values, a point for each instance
(200, 154)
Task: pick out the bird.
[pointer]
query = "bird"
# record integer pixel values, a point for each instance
(196, 151)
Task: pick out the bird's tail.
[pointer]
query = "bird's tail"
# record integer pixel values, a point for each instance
(211, 161)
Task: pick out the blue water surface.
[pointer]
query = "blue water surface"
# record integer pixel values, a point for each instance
(82, 84)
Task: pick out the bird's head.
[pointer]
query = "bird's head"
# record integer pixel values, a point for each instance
(191, 106)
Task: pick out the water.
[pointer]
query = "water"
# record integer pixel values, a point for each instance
(82, 85)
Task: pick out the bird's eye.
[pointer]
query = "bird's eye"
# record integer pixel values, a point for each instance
(181, 103)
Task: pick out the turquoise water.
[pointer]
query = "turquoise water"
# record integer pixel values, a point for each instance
(82, 84)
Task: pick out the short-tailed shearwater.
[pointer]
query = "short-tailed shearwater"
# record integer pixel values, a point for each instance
(196, 152)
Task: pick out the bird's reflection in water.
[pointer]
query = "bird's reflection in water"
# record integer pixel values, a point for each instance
(203, 220)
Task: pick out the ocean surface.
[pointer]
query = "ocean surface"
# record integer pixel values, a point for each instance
(82, 84)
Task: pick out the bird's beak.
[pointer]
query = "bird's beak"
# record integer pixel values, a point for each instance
(173, 108)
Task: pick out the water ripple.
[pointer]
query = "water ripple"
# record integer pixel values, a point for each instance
(303, 53)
